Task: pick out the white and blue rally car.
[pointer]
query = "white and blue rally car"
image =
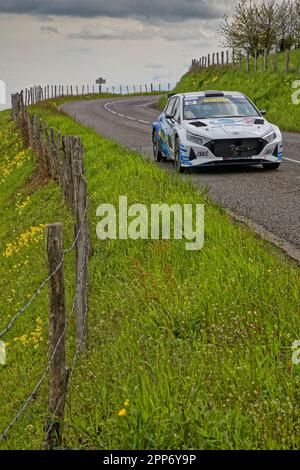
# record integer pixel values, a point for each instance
(213, 128)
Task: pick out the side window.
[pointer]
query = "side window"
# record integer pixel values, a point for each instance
(176, 110)
(170, 106)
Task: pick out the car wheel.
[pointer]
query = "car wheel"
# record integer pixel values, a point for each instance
(178, 165)
(271, 166)
(158, 156)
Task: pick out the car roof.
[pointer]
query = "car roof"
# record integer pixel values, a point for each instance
(209, 93)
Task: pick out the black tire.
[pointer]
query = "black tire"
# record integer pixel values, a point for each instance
(178, 165)
(271, 166)
(158, 156)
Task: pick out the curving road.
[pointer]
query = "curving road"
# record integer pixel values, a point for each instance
(270, 199)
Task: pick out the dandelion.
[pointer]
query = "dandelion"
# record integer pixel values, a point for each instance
(33, 235)
(122, 412)
(22, 339)
(36, 335)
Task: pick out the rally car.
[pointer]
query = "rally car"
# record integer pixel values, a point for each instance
(213, 128)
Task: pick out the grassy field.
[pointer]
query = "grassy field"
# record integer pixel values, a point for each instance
(187, 350)
(268, 90)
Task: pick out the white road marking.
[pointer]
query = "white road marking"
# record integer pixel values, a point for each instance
(106, 107)
(291, 160)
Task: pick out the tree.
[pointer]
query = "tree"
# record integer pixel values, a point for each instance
(260, 25)
(288, 24)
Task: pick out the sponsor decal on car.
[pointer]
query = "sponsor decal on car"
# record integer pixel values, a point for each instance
(216, 100)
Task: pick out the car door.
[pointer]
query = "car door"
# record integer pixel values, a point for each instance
(168, 124)
(176, 120)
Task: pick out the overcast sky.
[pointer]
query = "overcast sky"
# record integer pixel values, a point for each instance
(125, 41)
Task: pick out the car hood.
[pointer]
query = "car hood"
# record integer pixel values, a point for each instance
(226, 128)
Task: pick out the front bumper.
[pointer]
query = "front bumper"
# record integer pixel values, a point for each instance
(193, 155)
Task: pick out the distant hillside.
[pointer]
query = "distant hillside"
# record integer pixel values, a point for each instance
(269, 90)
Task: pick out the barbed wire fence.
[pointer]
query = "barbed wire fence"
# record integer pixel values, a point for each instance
(59, 158)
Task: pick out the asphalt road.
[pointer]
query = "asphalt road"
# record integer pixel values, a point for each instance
(270, 199)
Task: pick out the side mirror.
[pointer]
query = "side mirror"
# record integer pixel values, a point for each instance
(169, 116)
(263, 112)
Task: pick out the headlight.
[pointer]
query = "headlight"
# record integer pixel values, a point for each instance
(196, 139)
(270, 137)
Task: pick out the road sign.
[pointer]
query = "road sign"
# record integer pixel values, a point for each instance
(100, 81)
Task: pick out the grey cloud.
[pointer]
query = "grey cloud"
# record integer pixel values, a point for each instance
(166, 9)
(154, 66)
(49, 29)
(190, 30)
(98, 34)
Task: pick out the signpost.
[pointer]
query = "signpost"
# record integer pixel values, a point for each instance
(100, 81)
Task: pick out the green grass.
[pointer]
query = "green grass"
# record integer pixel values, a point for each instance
(268, 90)
(199, 342)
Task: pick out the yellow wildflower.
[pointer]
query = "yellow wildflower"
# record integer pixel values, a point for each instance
(34, 234)
(122, 412)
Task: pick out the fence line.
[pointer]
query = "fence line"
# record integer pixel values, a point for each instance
(247, 61)
(32, 395)
(59, 158)
(37, 94)
(48, 444)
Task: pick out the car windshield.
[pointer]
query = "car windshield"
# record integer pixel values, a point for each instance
(202, 107)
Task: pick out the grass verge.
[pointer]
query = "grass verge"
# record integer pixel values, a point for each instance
(193, 347)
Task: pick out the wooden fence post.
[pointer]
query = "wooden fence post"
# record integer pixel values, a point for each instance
(255, 62)
(240, 61)
(67, 172)
(82, 245)
(287, 61)
(247, 62)
(266, 60)
(57, 338)
(14, 106)
(275, 60)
